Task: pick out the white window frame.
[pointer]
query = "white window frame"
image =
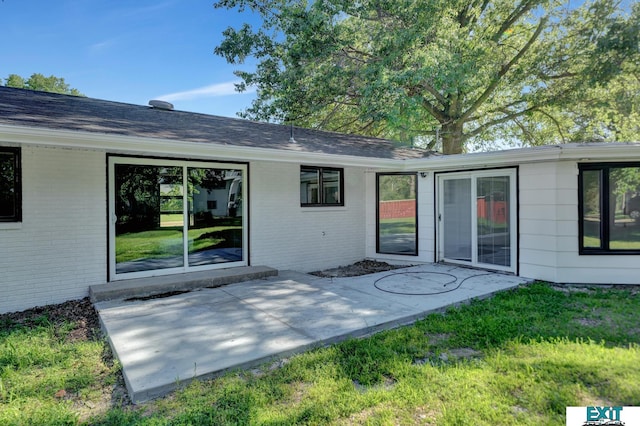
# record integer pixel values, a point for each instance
(513, 217)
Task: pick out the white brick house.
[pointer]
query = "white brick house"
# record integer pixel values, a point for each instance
(92, 192)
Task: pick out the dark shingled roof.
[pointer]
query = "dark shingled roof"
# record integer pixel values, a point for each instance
(19, 107)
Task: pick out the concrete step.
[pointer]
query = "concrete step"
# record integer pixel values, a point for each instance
(155, 286)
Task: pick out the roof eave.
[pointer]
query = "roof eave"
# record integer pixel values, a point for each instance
(136, 145)
(570, 152)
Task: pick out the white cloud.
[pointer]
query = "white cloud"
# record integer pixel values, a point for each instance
(100, 46)
(211, 91)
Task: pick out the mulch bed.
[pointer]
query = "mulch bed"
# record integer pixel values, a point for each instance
(79, 312)
(363, 267)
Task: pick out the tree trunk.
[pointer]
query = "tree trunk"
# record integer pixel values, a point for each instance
(452, 138)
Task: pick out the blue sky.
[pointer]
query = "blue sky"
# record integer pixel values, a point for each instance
(127, 51)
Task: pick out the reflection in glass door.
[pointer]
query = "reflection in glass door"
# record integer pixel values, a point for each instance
(493, 214)
(215, 216)
(149, 219)
(397, 214)
(171, 216)
(476, 216)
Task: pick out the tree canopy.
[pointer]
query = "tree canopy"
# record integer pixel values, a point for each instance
(39, 82)
(461, 72)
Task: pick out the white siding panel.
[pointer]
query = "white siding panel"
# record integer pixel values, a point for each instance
(538, 272)
(537, 221)
(601, 274)
(536, 197)
(568, 197)
(537, 227)
(539, 257)
(426, 219)
(538, 242)
(549, 232)
(60, 249)
(528, 181)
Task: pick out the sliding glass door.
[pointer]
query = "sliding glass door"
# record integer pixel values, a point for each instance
(174, 216)
(477, 220)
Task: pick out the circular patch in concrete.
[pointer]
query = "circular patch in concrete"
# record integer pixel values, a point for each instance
(417, 283)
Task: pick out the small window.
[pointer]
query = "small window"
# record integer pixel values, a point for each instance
(10, 191)
(609, 202)
(321, 186)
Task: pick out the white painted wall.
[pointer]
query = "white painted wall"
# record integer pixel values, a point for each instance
(60, 247)
(284, 235)
(549, 231)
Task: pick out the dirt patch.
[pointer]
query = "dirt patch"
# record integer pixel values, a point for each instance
(436, 338)
(363, 267)
(79, 312)
(588, 322)
(459, 353)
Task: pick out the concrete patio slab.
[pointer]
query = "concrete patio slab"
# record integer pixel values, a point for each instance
(164, 342)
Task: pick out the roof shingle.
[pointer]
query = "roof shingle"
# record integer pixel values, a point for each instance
(19, 107)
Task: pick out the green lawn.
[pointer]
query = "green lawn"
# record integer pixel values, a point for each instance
(406, 225)
(168, 242)
(518, 358)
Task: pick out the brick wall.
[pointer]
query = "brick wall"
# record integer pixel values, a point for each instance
(397, 209)
(287, 236)
(60, 248)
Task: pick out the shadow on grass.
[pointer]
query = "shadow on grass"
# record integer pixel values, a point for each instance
(536, 350)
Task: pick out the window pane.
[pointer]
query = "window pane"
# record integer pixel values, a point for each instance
(397, 220)
(149, 224)
(494, 236)
(215, 216)
(8, 207)
(456, 218)
(309, 180)
(624, 208)
(331, 186)
(591, 208)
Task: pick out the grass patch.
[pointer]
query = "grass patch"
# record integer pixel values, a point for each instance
(518, 358)
(164, 243)
(406, 225)
(48, 375)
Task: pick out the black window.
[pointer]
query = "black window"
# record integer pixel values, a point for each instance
(10, 191)
(609, 204)
(321, 186)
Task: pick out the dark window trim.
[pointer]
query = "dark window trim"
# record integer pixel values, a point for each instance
(17, 184)
(604, 248)
(416, 252)
(153, 158)
(321, 186)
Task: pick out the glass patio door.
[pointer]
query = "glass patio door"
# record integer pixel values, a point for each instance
(477, 220)
(174, 216)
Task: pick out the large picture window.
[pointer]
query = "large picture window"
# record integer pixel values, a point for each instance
(10, 190)
(321, 186)
(397, 213)
(609, 200)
